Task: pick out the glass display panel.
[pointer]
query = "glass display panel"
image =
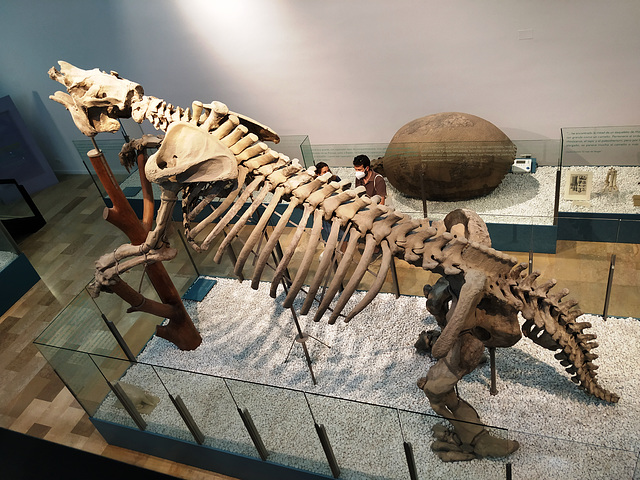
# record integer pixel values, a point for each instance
(366, 439)
(600, 169)
(138, 327)
(12, 202)
(613, 145)
(570, 459)
(79, 374)
(283, 419)
(417, 430)
(212, 407)
(8, 249)
(624, 300)
(110, 146)
(582, 267)
(80, 327)
(141, 386)
(294, 146)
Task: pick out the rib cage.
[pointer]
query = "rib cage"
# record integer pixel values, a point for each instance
(549, 321)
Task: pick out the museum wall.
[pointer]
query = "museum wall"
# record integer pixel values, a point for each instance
(340, 72)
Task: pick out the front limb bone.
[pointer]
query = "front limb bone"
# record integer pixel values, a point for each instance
(152, 250)
(462, 316)
(105, 276)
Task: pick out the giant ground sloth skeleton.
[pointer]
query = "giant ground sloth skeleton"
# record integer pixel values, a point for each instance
(210, 153)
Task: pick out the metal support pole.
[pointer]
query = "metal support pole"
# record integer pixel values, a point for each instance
(128, 405)
(232, 255)
(188, 250)
(188, 419)
(394, 278)
(422, 192)
(492, 359)
(556, 201)
(607, 297)
(118, 336)
(411, 461)
(253, 432)
(328, 450)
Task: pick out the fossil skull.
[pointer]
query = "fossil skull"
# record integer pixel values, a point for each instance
(95, 99)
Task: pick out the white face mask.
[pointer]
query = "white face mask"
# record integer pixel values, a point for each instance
(360, 174)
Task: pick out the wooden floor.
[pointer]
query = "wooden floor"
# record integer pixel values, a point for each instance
(34, 401)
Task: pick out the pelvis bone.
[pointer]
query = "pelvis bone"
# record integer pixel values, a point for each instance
(189, 154)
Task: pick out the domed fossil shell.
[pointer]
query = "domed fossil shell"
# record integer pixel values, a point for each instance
(448, 156)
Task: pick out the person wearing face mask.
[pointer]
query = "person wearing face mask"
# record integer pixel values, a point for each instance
(372, 181)
(322, 168)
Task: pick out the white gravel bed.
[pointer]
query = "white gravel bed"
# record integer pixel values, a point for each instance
(247, 336)
(6, 258)
(523, 198)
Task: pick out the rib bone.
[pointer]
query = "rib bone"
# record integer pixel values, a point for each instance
(387, 258)
(257, 231)
(224, 221)
(341, 272)
(355, 279)
(299, 195)
(310, 205)
(314, 238)
(266, 188)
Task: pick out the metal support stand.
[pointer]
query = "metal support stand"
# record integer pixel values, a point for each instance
(492, 359)
(253, 433)
(328, 450)
(127, 404)
(118, 336)
(301, 337)
(422, 193)
(607, 297)
(187, 418)
(394, 278)
(530, 261)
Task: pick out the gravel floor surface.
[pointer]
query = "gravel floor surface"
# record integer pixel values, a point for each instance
(248, 337)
